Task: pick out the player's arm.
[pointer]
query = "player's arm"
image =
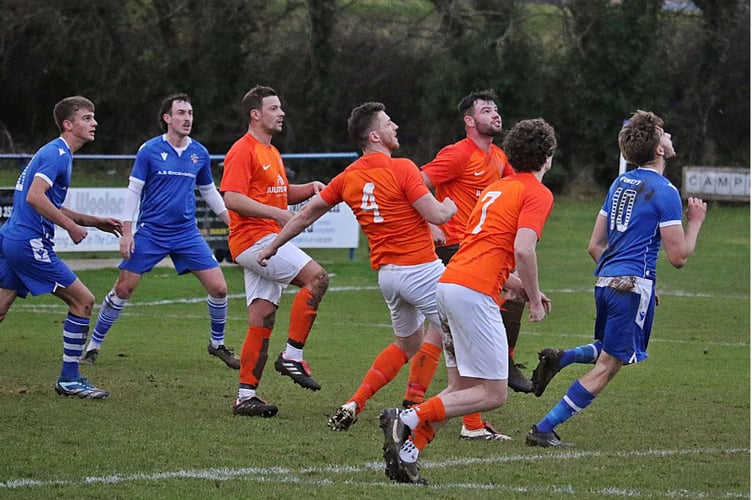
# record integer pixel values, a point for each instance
(434, 211)
(301, 192)
(680, 244)
(37, 198)
(304, 218)
(599, 238)
(525, 243)
(214, 201)
(248, 207)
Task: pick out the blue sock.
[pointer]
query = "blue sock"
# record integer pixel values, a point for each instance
(587, 353)
(74, 338)
(110, 311)
(576, 400)
(218, 317)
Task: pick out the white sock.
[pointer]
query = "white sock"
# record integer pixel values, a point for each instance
(93, 345)
(293, 353)
(246, 394)
(409, 418)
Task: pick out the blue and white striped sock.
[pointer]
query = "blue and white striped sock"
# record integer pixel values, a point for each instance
(587, 353)
(218, 318)
(110, 311)
(74, 338)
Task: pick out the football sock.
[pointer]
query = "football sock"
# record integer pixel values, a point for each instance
(110, 311)
(430, 411)
(473, 421)
(576, 400)
(74, 337)
(218, 318)
(384, 368)
(422, 435)
(245, 393)
(292, 353)
(581, 354)
(511, 316)
(302, 314)
(254, 354)
(422, 369)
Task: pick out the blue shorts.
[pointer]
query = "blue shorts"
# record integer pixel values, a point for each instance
(624, 319)
(32, 266)
(188, 251)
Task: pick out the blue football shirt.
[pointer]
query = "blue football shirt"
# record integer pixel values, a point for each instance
(638, 204)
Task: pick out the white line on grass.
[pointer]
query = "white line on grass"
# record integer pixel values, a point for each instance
(300, 476)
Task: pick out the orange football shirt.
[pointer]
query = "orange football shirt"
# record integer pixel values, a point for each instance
(255, 170)
(486, 255)
(380, 191)
(461, 171)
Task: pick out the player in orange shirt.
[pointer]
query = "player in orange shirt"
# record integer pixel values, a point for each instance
(462, 171)
(257, 195)
(393, 207)
(502, 235)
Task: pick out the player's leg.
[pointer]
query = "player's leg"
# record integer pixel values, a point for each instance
(511, 314)
(75, 329)
(214, 282)
(109, 311)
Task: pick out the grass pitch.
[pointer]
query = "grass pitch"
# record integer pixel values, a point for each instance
(676, 425)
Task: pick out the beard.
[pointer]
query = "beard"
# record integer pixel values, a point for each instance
(489, 130)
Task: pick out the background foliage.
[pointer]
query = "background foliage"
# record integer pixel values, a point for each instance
(584, 65)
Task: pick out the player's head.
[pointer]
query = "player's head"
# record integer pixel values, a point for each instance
(176, 113)
(262, 107)
(480, 112)
(369, 124)
(642, 139)
(66, 109)
(530, 145)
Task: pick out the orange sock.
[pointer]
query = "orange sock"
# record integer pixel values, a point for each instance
(431, 411)
(385, 367)
(302, 315)
(422, 435)
(422, 369)
(473, 421)
(253, 355)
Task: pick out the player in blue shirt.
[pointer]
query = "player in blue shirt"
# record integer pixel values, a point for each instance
(167, 170)
(28, 263)
(642, 209)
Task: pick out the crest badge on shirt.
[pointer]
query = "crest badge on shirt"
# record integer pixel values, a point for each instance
(194, 158)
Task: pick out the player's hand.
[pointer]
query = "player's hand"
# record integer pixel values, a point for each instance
(448, 203)
(439, 238)
(537, 311)
(283, 217)
(109, 225)
(317, 187)
(265, 254)
(696, 210)
(546, 303)
(127, 245)
(77, 233)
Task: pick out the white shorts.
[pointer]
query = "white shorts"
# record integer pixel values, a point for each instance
(268, 282)
(475, 341)
(410, 293)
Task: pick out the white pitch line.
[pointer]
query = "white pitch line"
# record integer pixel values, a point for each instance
(300, 476)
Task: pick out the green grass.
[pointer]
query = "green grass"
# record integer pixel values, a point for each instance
(676, 425)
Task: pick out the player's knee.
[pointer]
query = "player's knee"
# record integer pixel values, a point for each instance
(320, 283)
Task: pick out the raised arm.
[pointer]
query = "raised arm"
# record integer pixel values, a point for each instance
(680, 243)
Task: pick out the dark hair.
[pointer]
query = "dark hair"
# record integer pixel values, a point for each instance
(66, 109)
(639, 137)
(254, 98)
(465, 105)
(360, 122)
(166, 107)
(529, 144)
